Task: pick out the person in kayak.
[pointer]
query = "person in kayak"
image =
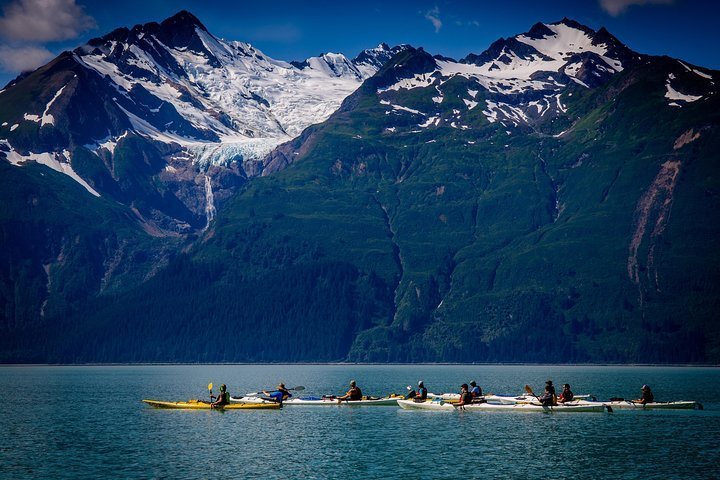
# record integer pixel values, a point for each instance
(466, 397)
(549, 387)
(547, 399)
(421, 394)
(353, 394)
(475, 390)
(222, 399)
(647, 396)
(566, 395)
(280, 394)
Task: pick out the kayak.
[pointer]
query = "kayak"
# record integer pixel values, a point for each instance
(529, 407)
(506, 399)
(437, 405)
(445, 396)
(523, 398)
(629, 405)
(442, 405)
(382, 401)
(200, 405)
(252, 399)
(330, 401)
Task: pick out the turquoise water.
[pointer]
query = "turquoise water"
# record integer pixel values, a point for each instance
(89, 422)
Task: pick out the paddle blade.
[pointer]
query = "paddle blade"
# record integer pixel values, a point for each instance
(210, 385)
(299, 388)
(529, 390)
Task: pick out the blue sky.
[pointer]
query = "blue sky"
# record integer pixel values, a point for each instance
(31, 32)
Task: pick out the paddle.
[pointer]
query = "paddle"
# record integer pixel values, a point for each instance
(299, 388)
(529, 391)
(210, 387)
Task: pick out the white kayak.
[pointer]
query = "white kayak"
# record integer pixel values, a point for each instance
(524, 398)
(437, 405)
(442, 405)
(331, 401)
(505, 399)
(530, 407)
(630, 405)
(251, 399)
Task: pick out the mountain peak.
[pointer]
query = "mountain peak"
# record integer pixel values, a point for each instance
(183, 19)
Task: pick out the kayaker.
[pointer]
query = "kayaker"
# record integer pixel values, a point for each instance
(551, 388)
(222, 399)
(475, 390)
(280, 394)
(353, 394)
(566, 395)
(647, 396)
(547, 398)
(421, 394)
(466, 397)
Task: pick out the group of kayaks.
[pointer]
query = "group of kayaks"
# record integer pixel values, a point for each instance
(441, 402)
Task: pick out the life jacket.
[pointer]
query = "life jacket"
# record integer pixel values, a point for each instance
(224, 398)
(466, 398)
(422, 393)
(355, 393)
(546, 400)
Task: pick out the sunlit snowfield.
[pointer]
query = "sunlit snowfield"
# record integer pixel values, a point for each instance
(89, 422)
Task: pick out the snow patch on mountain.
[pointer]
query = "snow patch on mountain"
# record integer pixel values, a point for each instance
(566, 41)
(47, 118)
(57, 161)
(672, 94)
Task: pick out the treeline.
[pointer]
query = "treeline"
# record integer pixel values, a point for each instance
(205, 312)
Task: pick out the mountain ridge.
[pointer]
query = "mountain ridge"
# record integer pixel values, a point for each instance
(512, 207)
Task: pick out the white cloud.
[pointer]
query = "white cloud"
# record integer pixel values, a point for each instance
(616, 7)
(434, 16)
(43, 20)
(21, 59)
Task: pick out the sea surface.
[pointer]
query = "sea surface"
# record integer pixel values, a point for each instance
(88, 422)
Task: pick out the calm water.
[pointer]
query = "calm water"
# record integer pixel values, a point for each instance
(88, 422)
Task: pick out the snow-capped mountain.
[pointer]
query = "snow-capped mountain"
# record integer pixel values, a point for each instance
(225, 93)
(525, 80)
(199, 102)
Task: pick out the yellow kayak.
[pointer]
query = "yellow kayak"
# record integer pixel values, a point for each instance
(200, 405)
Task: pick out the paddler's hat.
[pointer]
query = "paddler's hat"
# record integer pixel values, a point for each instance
(281, 385)
(464, 385)
(567, 385)
(549, 382)
(473, 383)
(223, 387)
(352, 383)
(420, 383)
(645, 387)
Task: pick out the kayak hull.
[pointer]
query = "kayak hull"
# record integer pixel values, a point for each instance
(511, 399)
(534, 408)
(439, 406)
(199, 405)
(627, 405)
(379, 402)
(499, 407)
